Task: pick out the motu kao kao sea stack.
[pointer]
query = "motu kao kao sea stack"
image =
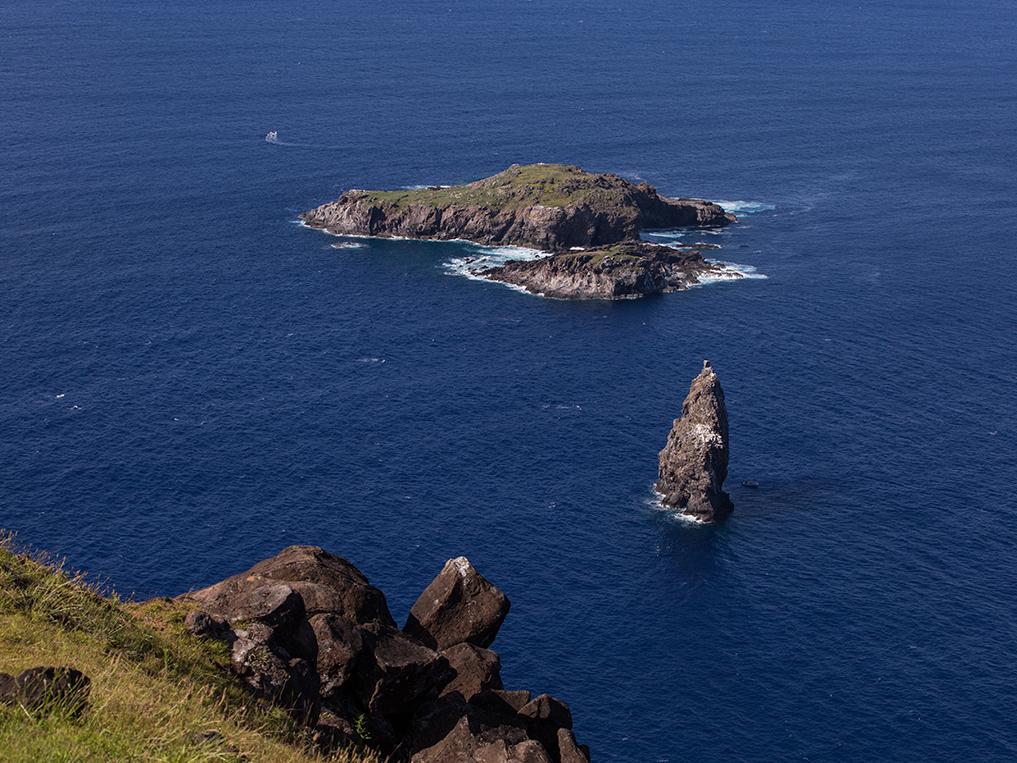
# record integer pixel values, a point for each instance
(693, 464)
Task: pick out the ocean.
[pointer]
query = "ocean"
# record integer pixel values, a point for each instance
(192, 381)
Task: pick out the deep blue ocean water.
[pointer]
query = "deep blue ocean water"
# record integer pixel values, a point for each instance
(190, 381)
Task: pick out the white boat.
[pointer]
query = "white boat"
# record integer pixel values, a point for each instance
(272, 137)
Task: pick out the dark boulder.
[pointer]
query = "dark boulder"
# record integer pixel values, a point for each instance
(475, 669)
(203, 625)
(545, 716)
(265, 664)
(499, 700)
(341, 653)
(469, 742)
(400, 671)
(459, 606)
(55, 689)
(547, 709)
(325, 584)
(569, 751)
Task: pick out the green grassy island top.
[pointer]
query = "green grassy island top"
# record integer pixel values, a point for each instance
(519, 186)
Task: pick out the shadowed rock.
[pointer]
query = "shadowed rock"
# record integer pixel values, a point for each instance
(459, 605)
(693, 464)
(57, 689)
(545, 716)
(468, 742)
(475, 670)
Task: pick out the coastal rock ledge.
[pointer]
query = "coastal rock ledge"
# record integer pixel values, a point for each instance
(305, 629)
(551, 207)
(693, 464)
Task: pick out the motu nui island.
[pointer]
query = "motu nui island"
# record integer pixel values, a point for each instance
(587, 223)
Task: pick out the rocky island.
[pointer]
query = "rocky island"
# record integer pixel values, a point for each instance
(587, 223)
(693, 463)
(618, 271)
(550, 207)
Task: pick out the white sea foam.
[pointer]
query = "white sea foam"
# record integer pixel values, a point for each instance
(656, 502)
(667, 235)
(421, 187)
(730, 271)
(478, 258)
(738, 207)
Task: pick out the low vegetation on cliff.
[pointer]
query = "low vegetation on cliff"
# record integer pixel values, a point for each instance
(156, 691)
(520, 186)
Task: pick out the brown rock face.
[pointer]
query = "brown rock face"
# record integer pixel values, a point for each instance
(475, 669)
(620, 271)
(308, 631)
(59, 689)
(546, 206)
(693, 464)
(323, 582)
(460, 606)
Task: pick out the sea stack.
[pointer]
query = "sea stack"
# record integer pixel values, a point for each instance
(693, 464)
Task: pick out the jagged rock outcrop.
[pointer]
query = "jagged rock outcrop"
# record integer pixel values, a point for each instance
(618, 271)
(460, 606)
(307, 630)
(693, 464)
(551, 207)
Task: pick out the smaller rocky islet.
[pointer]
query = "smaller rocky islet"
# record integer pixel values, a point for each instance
(589, 223)
(625, 270)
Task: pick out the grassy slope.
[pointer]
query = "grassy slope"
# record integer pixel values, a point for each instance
(551, 185)
(155, 687)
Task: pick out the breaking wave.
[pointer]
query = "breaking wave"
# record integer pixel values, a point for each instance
(477, 258)
(746, 207)
(731, 271)
(656, 502)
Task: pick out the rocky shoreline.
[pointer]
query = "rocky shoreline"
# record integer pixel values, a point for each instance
(307, 630)
(621, 271)
(550, 207)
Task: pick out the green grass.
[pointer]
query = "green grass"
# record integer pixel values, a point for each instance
(550, 185)
(156, 690)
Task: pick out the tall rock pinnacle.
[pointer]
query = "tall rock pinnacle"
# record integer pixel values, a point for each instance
(693, 464)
